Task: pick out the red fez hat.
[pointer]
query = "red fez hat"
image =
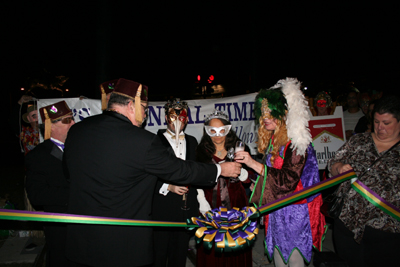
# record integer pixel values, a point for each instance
(55, 111)
(52, 113)
(108, 87)
(131, 89)
(135, 91)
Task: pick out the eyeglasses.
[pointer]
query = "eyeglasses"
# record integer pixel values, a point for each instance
(146, 108)
(65, 120)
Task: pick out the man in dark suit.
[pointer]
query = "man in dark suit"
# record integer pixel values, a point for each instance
(113, 166)
(172, 202)
(46, 184)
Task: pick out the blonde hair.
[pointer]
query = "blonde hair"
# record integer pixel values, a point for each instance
(264, 137)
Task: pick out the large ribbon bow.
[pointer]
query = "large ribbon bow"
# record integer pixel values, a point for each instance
(230, 230)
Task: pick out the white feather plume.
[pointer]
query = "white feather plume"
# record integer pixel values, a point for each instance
(297, 117)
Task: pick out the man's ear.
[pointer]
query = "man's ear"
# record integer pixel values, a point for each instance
(131, 107)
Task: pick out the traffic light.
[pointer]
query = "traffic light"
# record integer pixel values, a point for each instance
(204, 86)
(198, 79)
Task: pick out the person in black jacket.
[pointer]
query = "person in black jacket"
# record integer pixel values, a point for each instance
(172, 202)
(113, 166)
(46, 184)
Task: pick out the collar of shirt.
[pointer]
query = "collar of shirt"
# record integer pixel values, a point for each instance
(172, 135)
(58, 143)
(180, 150)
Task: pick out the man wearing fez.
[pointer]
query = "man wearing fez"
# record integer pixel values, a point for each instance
(172, 202)
(113, 166)
(46, 184)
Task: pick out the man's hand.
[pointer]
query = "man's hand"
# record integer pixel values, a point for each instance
(180, 190)
(230, 169)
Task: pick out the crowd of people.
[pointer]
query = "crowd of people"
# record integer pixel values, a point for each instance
(108, 165)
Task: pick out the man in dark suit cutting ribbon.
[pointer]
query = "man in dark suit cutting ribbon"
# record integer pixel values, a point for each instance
(113, 166)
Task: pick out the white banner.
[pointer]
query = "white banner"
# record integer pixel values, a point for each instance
(238, 108)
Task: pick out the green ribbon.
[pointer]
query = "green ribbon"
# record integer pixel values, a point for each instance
(227, 228)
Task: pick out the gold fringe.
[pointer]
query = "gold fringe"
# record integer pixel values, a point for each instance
(103, 98)
(138, 108)
(47, 125)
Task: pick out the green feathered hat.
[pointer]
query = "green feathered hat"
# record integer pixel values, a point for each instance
(276, 103)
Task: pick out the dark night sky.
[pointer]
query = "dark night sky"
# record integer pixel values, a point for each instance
(165, 46)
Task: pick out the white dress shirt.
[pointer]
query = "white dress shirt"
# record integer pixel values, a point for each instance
(180, 152)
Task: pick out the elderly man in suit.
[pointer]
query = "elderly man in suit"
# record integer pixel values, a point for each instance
(46, 184)
(113, 166)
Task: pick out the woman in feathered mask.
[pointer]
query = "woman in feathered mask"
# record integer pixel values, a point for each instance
(289, 165)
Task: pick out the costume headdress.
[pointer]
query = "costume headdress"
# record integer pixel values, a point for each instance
(286, 95)
(323, 96)
(216, 114)
(175, 103)
(271, 101)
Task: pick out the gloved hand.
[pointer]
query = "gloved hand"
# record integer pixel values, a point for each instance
(243, 175)
(204, 205)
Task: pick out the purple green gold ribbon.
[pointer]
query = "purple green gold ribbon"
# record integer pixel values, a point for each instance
(216, 224)
(71, 218)
(306, 192)
(230, 230)
(376, 200)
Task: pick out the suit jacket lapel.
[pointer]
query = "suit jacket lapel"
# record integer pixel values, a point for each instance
(56, 152)
(164, 141)
(188, 146)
